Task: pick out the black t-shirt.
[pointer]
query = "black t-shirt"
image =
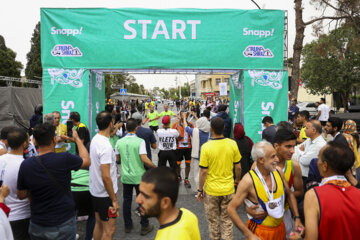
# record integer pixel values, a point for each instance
(49, 205)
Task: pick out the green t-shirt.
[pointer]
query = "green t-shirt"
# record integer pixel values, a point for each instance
(113, 141)
(168, 113)
(80, 180)
(152, 116)
(132, 168)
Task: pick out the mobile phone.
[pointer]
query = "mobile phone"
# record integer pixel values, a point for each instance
(69, 125)
(110, 214)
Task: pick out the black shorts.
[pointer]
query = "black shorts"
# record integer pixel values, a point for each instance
(154, 128)
(182, 154)
(83, 203)
(101, 206)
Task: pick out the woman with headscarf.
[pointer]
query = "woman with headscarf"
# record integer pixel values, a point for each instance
(199, 136)
(244, 144)
(352, 137)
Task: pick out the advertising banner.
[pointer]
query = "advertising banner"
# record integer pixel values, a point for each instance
(100, 38)
(236, 98)
(265, 94)
(97, 99)
(65, 91)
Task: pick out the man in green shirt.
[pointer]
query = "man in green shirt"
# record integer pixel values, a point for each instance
(152, 117)
(131, 153)
(166, 112)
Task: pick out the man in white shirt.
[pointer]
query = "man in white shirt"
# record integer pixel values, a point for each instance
(103, 179)
(19, 216)
(323, 112)
(309, 149)
(167, 144)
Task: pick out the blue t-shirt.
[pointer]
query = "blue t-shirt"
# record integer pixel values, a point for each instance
(149, 138)
(49, 205)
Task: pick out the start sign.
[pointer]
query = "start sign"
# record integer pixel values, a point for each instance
(100, 38)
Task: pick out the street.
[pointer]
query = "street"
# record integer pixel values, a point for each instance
(186, 199)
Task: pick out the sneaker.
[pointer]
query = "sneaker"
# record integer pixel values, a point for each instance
(146, 230)
(179, 178)
(137, 211)
(128, 229)
(187, 183)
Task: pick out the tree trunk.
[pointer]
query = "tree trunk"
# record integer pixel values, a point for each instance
(298, 46)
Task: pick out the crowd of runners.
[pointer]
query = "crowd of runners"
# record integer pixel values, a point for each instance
(299, 182)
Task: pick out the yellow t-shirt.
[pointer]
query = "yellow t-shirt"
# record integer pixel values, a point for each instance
(184, 227)
(219, 157)
(152, 103)
(61, 147)
(302, 134)
(146, 105)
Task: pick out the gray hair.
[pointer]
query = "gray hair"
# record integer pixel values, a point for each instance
(49, 118)
(258, 150)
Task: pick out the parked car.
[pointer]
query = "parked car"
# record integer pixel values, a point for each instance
(308, 106)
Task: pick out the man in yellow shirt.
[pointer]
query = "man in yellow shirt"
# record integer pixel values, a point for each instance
(218, 158)
(303, 118)
(159, 189)
(61, 132)
(146, 107)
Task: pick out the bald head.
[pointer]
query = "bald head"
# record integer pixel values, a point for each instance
(317, 125)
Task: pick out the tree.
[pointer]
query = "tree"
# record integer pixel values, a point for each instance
(164, 93)
(125, 79)
(185, 90)
(345, 11)
(33, 68)
(331, 63)
(9, 67)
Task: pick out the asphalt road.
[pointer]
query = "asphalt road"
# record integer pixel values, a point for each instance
(186, 200)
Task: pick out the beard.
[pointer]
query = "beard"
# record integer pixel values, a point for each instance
(154, 211)
(270, 167)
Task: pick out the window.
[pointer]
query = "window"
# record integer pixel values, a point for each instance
(227, 80)
(218, 80)
(203, 84)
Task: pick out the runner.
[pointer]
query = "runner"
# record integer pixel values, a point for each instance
(166, 112)
(254, 190)
(152, 117)
(167, 144)
(183, 147)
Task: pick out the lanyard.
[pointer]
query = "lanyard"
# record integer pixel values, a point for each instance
(270, 195)
(336, 177)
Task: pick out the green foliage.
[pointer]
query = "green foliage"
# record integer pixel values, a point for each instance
(33, 68)
(129, 82)
(185, 90)
(331, 63)
(165, 93)
(9, 67)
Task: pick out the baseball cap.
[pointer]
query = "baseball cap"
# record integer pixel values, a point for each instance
(137, 116)
(166, 120)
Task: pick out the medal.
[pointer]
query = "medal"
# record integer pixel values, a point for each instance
(272, 205)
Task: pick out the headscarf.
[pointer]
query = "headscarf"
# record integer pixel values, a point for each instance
(239, 133)
(349, 131)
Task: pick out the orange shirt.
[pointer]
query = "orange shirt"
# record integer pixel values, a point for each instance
(184, 139)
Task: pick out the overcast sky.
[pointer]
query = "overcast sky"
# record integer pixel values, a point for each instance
(19, 17)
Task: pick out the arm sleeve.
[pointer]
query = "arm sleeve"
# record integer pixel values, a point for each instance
(21, 183)
(237, 155)
(204, 163)
(189, 130)
(106, 155)
(176, 133)
(152, 138)
(142, 149)
(306, 157)
(74, 162)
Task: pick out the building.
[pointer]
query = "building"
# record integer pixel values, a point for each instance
(209, 85)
